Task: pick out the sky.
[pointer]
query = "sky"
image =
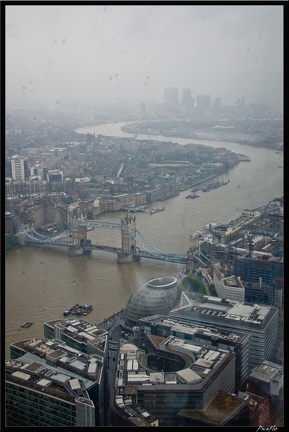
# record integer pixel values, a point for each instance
(128, 54)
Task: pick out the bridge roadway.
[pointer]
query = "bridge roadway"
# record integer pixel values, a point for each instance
(146, 250)
(138, 252)
(60, 241)
(99, 224)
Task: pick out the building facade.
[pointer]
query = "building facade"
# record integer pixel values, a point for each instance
(19, 168)
(51, 384)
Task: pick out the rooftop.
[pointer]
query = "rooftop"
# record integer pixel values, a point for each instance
(195, 304)
(176, 325)
(267, 371)
(48, 378)
(68, 360)
(218, 411)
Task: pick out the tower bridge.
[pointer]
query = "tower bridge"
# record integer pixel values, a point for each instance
(134, 244)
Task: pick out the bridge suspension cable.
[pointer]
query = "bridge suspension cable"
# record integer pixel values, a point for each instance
(171, 256)
(61, 235)
(45, 240)
(205, 257)
(155, 247)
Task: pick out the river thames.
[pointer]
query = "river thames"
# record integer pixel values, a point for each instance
(41, 283)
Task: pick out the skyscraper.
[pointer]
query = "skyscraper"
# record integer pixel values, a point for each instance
(171, 96)
(187, 98)
(204, 101)
(19, 168)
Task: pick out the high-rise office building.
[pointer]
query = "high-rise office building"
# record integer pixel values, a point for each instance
(187, 98)
(203, 104)
(171, 96)
(19, 168)
(217, 106)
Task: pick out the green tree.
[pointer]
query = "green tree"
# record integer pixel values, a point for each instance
(191, 283)
(11, 241)
(60, 225)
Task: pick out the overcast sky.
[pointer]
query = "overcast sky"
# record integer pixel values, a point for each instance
(130, 54)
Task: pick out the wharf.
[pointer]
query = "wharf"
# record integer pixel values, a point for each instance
(108, 322)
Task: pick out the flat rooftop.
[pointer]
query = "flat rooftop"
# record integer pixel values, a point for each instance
(195, 304)
(218, 411)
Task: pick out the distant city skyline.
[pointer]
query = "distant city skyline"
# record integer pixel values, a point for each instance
(91, 54)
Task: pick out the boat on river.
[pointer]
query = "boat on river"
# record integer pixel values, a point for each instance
(27, 324)
(87, 309)
(193, 195)
(78, 310)
(195, 235)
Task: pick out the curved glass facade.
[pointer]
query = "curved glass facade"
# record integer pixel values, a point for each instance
(157, 296)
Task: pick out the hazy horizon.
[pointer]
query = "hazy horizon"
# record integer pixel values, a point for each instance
(128, 54)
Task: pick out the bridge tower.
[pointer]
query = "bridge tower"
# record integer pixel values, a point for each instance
(190, 260)
(128, 243)
(21, 238)
(78, 237)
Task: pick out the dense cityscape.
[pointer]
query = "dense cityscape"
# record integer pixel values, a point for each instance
(144, 215)
(202, 348)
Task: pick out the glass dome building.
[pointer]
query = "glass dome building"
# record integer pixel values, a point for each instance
(157, 296)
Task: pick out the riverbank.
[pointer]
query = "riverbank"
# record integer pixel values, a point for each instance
(13, 249)
(198, 183)
(133, 128)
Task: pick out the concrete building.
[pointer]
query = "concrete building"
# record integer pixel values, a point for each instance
(267, 379)
(54, 176)
(51, 384)
(260, 322)
(164, 326)
(79, 334)
(19, 168)
(173, 375)
(229, 287)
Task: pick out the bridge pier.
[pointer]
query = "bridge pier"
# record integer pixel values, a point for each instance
(21, 238)
(75, 250)
(124, 258)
